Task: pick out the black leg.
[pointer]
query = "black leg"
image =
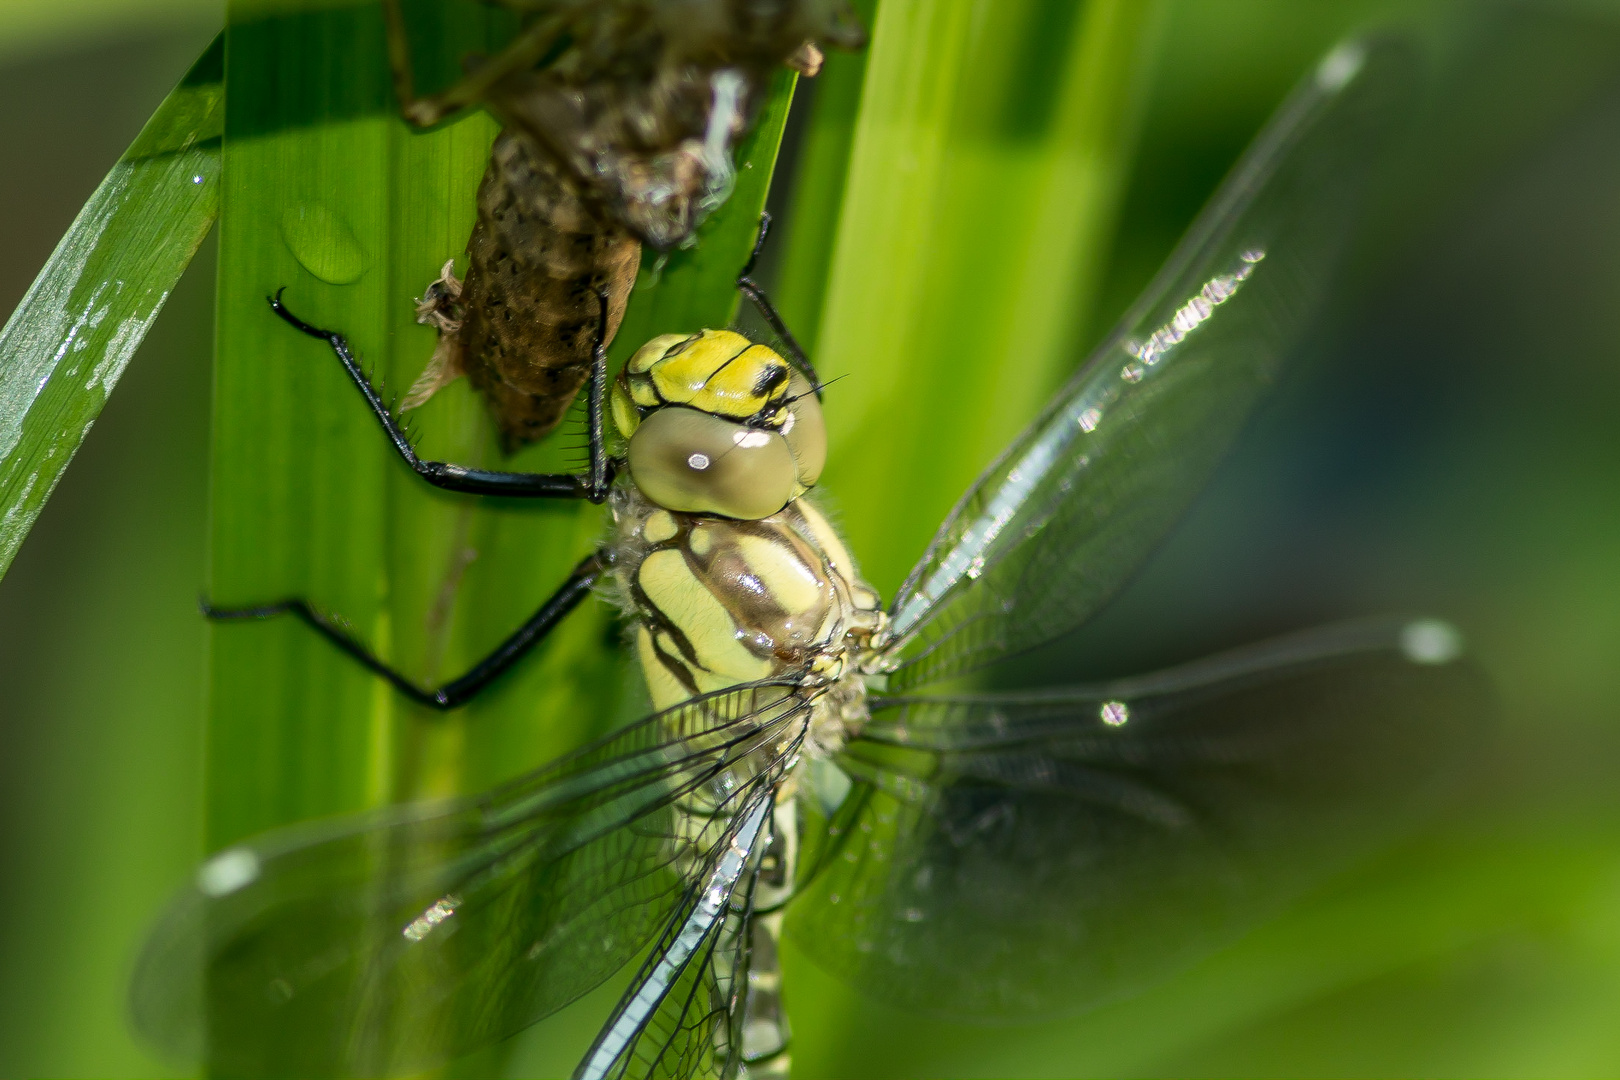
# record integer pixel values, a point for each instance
(593, 486)
(595, 393)
(456, 692)
(750, 288)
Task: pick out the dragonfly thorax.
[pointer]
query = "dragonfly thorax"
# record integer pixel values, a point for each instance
(718, 425)
(718, 602)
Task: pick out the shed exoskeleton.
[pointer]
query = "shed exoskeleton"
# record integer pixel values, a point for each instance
(618, 121)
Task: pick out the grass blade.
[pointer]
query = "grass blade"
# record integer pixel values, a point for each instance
(988, 158)
(66, 345)
(327, 192)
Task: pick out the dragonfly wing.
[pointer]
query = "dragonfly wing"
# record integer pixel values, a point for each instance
(681, 1017)
(1074, 505)
(386, 942)
(1014, 855)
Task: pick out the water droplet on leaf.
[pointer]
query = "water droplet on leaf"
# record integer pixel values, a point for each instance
(323, 243)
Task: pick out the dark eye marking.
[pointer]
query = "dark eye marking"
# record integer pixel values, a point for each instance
(769, 379)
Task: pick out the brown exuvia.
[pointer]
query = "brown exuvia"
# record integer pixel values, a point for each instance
(618, 119)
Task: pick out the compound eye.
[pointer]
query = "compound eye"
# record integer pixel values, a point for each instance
(697, 463)
(805, 432)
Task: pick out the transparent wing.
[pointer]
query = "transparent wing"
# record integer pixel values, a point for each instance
(681, 1016)
(1058, 523)
(1009, 856)
(383, 943)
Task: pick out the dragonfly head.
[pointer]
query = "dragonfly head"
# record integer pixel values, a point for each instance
(718, 425)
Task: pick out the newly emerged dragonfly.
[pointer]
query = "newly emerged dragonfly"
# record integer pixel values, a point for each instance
(977, 854)
(618, 120)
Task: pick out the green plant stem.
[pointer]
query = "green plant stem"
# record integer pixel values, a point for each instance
(984, 179)
(329, 193)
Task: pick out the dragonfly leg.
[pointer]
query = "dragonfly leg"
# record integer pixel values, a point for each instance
(457, 692)
(524, 51)
(751, 289)
(593, 486)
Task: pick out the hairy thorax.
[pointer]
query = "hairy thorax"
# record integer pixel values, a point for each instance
(721, 602)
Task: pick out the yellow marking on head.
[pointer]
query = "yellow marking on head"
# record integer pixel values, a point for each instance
(700, 373)
(643, 393)
(682, 599)
(655, 350)
(719, 372)
(625, 416)
(792, 585)
(660, 526)
(723, 373)
(700, 541)
(704, 353)
(633, 390)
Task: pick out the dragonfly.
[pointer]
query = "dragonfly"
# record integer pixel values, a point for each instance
(812, 766)
(617, 124)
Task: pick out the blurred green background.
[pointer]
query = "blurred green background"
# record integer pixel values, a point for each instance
(1452, 449)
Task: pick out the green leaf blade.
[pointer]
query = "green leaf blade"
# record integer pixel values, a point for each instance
(985, 170)
(67, 344)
